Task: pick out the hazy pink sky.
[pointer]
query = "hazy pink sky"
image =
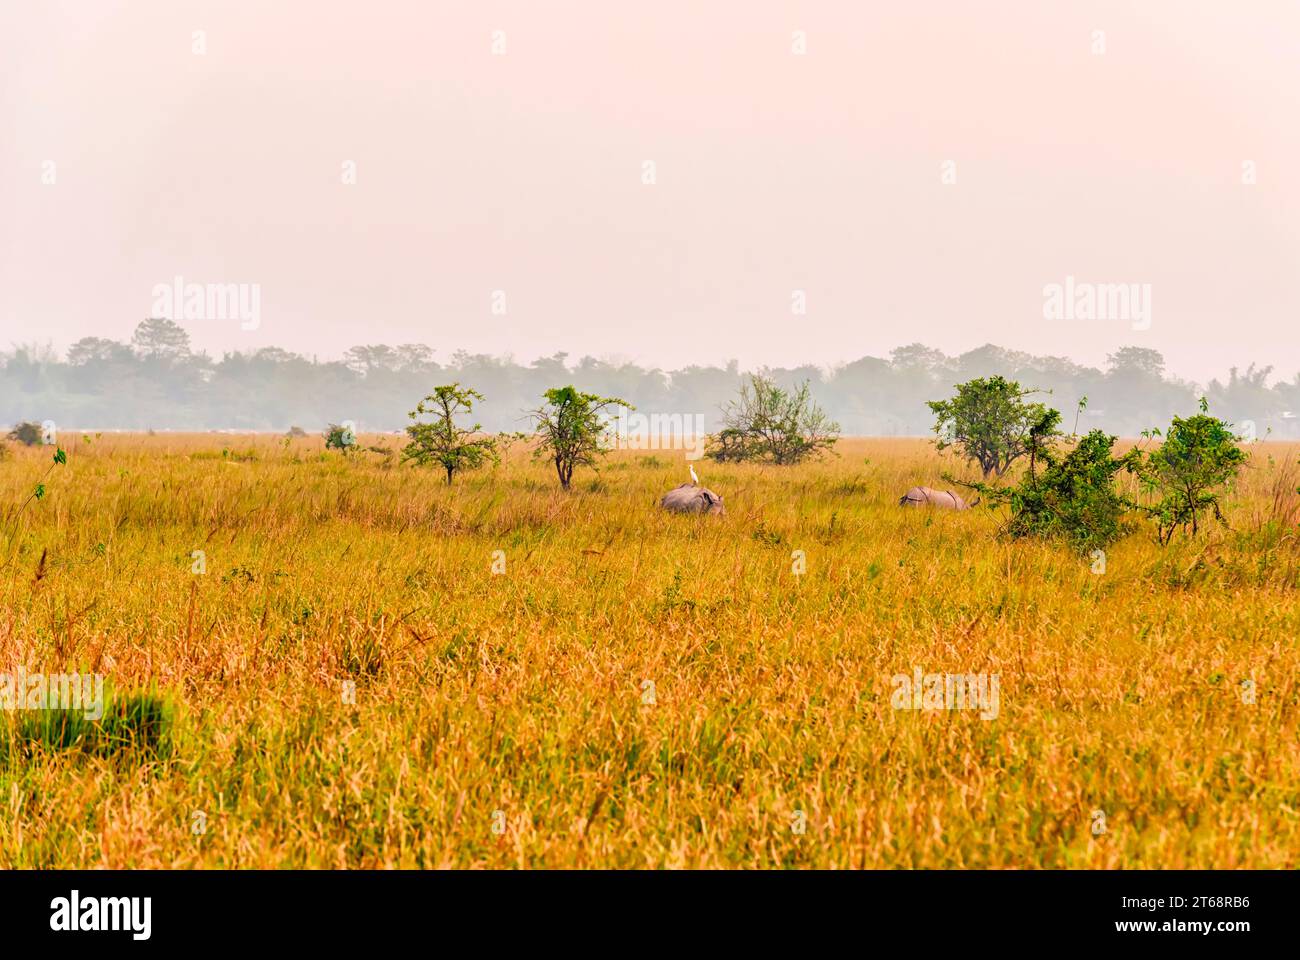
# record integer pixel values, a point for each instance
(776, 172)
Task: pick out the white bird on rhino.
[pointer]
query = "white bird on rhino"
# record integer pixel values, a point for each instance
(692, 498)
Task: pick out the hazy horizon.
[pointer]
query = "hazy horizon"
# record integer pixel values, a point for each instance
(447, 358)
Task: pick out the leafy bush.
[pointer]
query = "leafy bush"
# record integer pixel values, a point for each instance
(730, 445)
(1075, 499)
(28, 433)
(1198, 459)
(340, 438)
(1071, 498)
(768, 423)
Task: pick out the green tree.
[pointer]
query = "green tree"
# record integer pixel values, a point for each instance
(1188, 472)
(442, 442)
(767, 422)
(572, 431)
(988, 421)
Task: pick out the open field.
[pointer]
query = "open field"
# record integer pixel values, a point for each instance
(502, 719)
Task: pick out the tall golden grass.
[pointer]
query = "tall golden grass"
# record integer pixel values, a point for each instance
(636, 689)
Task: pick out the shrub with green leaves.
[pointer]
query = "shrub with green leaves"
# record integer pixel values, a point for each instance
(730, 445)
(769, 423)
(1189, 472)
(339, 437)
(28, 433)
(1075, 499)
(1072, 497)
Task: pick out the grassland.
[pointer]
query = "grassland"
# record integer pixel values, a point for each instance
(502, 720)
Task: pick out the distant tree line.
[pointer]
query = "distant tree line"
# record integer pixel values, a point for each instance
(158, 381)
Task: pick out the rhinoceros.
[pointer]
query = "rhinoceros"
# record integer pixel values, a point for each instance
(930, 497)
(692, 498)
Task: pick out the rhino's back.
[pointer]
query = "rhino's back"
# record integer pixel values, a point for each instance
(930, 497)
(689, 498)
